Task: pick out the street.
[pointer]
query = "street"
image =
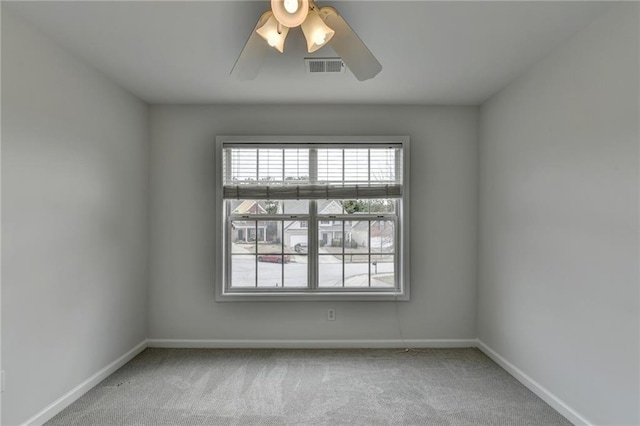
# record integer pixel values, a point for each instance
(243, 272)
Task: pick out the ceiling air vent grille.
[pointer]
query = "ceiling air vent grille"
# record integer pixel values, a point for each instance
(324, 65)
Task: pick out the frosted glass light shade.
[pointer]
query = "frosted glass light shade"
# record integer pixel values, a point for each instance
(291, 6)
(316, 31)
(287, 18)
(274, 33)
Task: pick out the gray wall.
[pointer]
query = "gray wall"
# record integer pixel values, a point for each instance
(74, 230)
(558, 291)
(443, 228)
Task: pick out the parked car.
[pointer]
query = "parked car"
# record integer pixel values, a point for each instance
(300, 247)
(274, 258)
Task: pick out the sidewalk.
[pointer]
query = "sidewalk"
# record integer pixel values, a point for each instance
(363, 281)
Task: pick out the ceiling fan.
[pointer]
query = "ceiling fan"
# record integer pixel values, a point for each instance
(320, 26)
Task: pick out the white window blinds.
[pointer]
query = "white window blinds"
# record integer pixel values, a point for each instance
(330, 171)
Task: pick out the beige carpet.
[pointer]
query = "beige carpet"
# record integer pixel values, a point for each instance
(310, 387)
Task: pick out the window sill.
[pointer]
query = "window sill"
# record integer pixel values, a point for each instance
(231, 296)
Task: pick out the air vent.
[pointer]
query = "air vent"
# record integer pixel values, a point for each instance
(324, 65)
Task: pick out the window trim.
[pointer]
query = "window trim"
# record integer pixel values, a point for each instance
(223, 294)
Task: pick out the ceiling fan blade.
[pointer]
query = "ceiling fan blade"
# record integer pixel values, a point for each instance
(348, 45)
(250, 60)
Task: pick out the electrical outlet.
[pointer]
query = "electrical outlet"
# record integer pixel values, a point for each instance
(331, 315)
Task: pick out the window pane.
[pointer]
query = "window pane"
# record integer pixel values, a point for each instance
(243, 165)
(356, 273)
(296, 164)
(272, 241)
(270, 165)
(330, 165)
(295, 272)
(330, 207)
(356, 258)
(383, 165)
(330, 236)
(330, 271)
(243, 271)
(382, 205)
(356, 236)
(255, 206)
(295, 237)
(382, 271)
(356, 165)
(382, 236)
(296, 207)
(271, 206)
(356, 206)
(270, 270)
(243, 236)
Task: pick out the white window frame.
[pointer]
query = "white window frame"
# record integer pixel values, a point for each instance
(223, 293)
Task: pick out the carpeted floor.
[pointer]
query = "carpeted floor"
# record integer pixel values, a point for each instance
(310, 387)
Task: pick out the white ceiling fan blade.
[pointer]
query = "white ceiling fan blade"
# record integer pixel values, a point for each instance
(349, 47)
(250, 60)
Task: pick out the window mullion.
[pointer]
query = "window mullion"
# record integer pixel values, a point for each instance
(398, 249)
(227, 244)
(312, 229)
(369, 248)
(281, 222)
(257, 254)
(313, 166)
(312, 245)
(344, 256)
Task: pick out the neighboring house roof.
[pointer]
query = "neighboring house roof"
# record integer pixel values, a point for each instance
(295, 231)
(249, 207)
(360, 225)
(295, 226)
(329, 206)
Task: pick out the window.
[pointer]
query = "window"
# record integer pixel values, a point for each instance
(312, 218)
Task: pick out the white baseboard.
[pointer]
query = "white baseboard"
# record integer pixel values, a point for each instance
(535, 387)
(311, 344)
(67, 399)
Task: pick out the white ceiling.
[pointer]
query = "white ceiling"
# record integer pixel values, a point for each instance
(431, 52)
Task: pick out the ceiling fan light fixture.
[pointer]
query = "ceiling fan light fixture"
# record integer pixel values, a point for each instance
(290, 13)
(274, 33)
(291, 6)
(316, 31)
(320, 26)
